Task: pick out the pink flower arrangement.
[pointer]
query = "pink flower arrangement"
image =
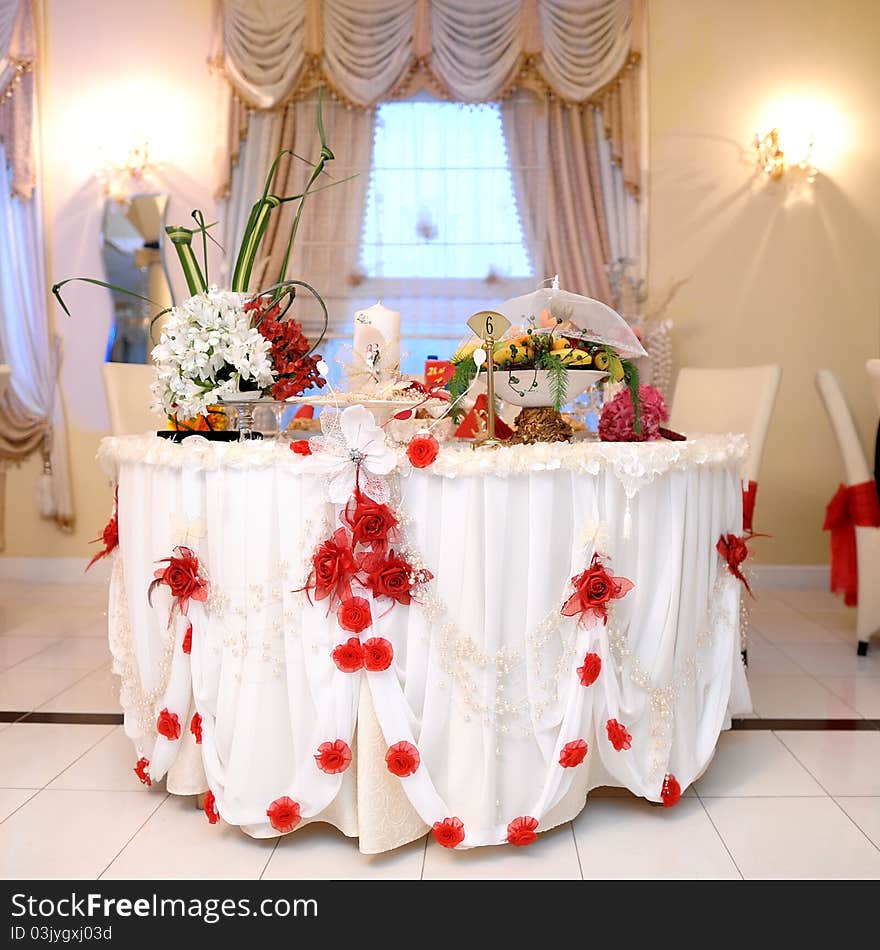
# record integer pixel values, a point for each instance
(618, 416)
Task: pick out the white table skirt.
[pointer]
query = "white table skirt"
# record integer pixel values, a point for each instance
(484, 678)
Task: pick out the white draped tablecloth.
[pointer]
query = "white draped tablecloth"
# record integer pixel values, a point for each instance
(484, 679)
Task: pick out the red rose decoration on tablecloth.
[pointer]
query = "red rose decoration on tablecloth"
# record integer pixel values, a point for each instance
(618, 736)
(521, 831)
(187, 644)
(141, 771)
(301, 447)
(422, 450)
(210, 807)
(402, 759)
(670, 793)
(354, 614)
(168, 725)
(182, 577)
(594, 589)
(109, 538)
(378, 654)
(734, 550)
(333, 757)
(449, 832)
(333, 566)
(371, 523)
(573, 753)
(349, 656)
(589, 672)
(195, 727)
(284, 814)
(388, 576)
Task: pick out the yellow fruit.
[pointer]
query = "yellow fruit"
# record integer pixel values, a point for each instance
(615, 369)
(577, 358)
(465, 351)
(514, 352)
(600, 360)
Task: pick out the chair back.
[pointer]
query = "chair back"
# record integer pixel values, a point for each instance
(129, 398)
(840, 415)
(740, 399)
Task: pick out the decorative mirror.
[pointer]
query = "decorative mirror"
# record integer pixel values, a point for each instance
(132, 235)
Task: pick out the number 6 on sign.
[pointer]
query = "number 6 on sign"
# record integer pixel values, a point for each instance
(489, 324)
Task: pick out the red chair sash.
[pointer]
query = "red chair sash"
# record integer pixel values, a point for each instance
(851, 507)
(749, 494)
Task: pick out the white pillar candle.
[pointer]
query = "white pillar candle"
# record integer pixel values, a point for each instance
(378, 328)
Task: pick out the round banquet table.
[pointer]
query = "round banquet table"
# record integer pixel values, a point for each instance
(485, 676)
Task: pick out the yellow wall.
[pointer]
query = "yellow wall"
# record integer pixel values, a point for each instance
(111, 71)
(774, 276)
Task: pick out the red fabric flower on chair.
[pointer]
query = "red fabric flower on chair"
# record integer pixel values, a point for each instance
(333, 757)
(378, 654)
(284, 814)
(449, 832)
(210, 807)
(671, 791)
(168, 725)
(354, 614)
(594, 589)
(141, 771)
(402, 759)
(195, 727)
(349, 656)
(618, 735)
(521, 831)
(182, 577)
(589, 672)
(573, 753)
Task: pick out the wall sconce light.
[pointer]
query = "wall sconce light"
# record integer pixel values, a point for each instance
(122, 179)
(772, 161)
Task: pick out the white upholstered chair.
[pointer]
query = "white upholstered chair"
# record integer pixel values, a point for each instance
(128, 396)
(856, 471)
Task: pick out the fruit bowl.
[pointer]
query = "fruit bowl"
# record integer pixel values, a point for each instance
(532, 388)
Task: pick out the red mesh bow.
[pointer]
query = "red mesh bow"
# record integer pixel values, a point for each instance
(852, 506)
(734, 550)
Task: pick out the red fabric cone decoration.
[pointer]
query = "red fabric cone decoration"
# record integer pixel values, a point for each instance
(305, 412)
(852, 506)
(477, 421)
(749, 494)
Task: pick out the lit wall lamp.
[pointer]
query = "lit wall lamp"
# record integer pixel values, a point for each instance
(122, 179)
(773, 162)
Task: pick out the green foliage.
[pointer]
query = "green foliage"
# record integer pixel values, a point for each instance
(558, 375)
(465, 372)
(631, 377)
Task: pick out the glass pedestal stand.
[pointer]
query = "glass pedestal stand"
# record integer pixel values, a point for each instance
(243, 413)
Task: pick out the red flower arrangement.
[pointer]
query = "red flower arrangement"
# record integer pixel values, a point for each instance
(371, 523)
(168, 725)
(354, 614)
(734, 550)
(141, 771)
(195, 727)
(618, 736)
(573, 753)
(378, 654)
(449, 832)
(670, 793)
(284, 814)
(210, 808)
(594, 589)
(182, 577)
(422, 450)
(333, 757)
(521, 831)
(301, 447)
(589, 672)
(297, 370)
(349, 656)
(617, 421)
(402, 759)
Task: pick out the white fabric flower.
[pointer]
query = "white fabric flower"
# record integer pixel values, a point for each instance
(351, 441)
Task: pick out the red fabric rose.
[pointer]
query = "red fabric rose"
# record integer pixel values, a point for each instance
(370, 523)
(210, 807)
(388, 576)
(141, 771)
(573, 753)
(671, 791)
(109, 538)
(168, 725)
(734, 550)
(618, 736)
(349, 656)
(284, 814)
(594, 588)
(333, 565)
(449, 832)
(333, 757)
(402, 759)
(354, 614)
(195, 727)
(589, 672)
(187, 644)
(182, 577)
(521, 831)
(422, 450)
(301, 447)
(378, 654)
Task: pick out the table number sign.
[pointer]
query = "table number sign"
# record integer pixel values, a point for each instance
(489, 325)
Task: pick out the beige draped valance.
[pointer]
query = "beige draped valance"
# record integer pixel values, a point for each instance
(583, 52)
(17, 93)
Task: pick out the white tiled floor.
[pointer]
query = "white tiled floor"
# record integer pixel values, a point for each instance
(798, 804)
